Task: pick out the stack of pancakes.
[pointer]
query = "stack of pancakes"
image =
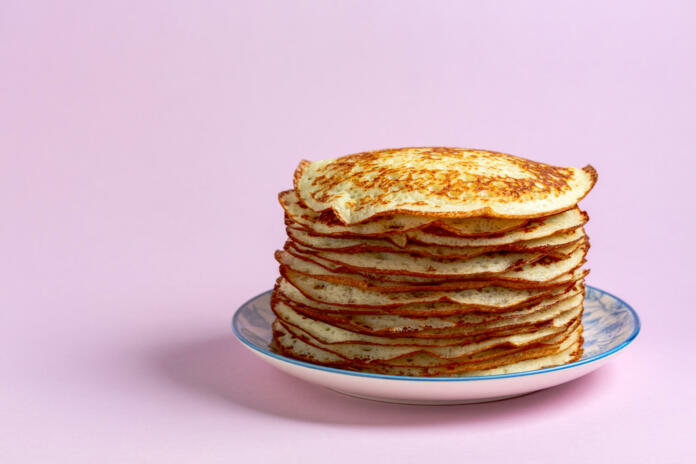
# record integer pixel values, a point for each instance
(432, 262)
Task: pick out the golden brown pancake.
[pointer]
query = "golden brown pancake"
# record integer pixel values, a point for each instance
(432, 262)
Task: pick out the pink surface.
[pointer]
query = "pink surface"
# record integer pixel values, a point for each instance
(143, 144)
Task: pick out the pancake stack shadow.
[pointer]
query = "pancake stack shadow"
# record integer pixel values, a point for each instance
(426, 294)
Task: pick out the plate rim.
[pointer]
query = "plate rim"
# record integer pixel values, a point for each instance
(407, 378)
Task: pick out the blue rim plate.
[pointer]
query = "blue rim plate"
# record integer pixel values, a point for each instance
(610, 325)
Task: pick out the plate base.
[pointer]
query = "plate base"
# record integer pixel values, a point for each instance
(609, 325)
(429, 402)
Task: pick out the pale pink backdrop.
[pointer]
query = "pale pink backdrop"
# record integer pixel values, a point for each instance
(142, 145)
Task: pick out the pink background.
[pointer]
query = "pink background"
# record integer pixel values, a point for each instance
(143, 144)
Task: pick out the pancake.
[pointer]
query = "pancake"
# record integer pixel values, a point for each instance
(338, 269)
(356, 245)
(419, 310)
(432, 262)
(490, 298)
(292, 346)
(440, 337)
(421, 266)
(496, 264)
(306, 265)
(328, 224)
(440, 182)
(396, 326)
(480, 359)
(328, 334)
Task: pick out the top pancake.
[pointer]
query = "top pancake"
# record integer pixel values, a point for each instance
(439, 182)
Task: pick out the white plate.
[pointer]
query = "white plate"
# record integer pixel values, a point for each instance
(610, 325)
